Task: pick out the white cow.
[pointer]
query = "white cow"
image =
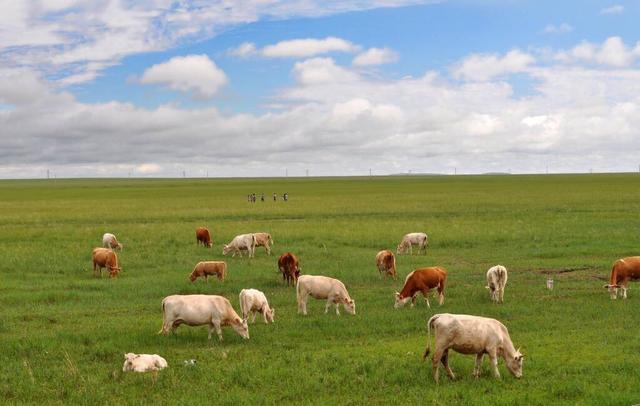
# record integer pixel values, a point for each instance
(239, 243)
(411, 239)
(496, 281)
(323, 287)
(110, 241)
(472, 335)
(198, 310)
(143, 362)
(253, 301)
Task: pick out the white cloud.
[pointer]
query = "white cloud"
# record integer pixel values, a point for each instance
(300, 48)
(321, 70)
(191, 73)
(484, 67)
(375, 56)
(560, 29)
(615, 9)
(244, 50)
(612, 52)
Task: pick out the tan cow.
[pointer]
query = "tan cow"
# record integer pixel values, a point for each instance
(386, 262)
(105, 258)
(622, 272)
(422, 280)
(472, 335)
(206, 268)
(323, 287)
(110, 241)
(264, 240)
(241, 243)
(496, 281)
(254, 301)
(411, 239)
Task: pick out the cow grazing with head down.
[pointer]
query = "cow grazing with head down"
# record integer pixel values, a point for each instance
(411, 239)
(242, 242)
(289, 265)
(254, 301)
(386, 263)
(472, 335)
(422, 280)
(105, 258)
(110, 241)
(496, 281)
(264, 240)
(203, 236)
(622, 272)
(206, 268)
(323, 287)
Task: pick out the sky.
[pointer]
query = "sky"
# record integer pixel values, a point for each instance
(321, 88)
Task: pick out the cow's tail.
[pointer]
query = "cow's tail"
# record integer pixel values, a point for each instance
(241, 306)
(162, 329)
(395, 270)
(613, 279)
(429, 326)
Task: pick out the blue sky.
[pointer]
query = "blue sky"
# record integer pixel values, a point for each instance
(333, 87)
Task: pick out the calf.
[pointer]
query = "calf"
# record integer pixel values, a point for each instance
(386, 262)
(143, 362)
(110, 241)
(239, 243)
(411, 239)
(472, 335)
(496, 281)
(323, 287)
(105, 258)
(421, 280)
(206, 268)
(203, 236)
(622, 272)
(198, 310)
(253, 301)
(264, 240)
(290, 267)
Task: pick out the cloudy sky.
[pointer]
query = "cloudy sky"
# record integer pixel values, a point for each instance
(268, 87)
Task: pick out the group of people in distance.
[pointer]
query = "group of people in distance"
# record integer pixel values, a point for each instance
(252, 198)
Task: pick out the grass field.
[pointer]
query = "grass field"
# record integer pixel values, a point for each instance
(63, 332)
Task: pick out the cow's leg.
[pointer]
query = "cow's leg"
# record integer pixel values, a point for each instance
(425, 293)
(494, 363)
(253, 316)
(624, 292)
(440, 297)
(502, 295)
(327, 305)
(216, 325)
(437, 356)
(206, 278)
(445, 362)
(302, 303)
(476, 370)
(337, 308)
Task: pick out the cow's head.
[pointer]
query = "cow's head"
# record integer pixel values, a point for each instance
(114, 272)
(241, 327)
(401, 301)
(514, 365)
(193, 276)
(613, 290)
(401, 247)
(270, 315)
(350, 305)
(209, 243)
(225, 249)
(128, 361)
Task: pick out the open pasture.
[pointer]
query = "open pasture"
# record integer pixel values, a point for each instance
(63, 332)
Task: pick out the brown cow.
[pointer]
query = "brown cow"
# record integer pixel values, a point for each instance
(203, 236)
(421, 280)
(105, 258)
(622, 272)
(386, 262)
(264, 240)
(290, 268)
(206, 268)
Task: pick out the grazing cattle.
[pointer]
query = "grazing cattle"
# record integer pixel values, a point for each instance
(198, 310)
(203, 236)
(472, 335)
(143, 362)
(206, 268)
(386, 262)
(421, 280)
(622, 272)
(290, 268)
(264, 240)
(496, 281)
(105, 258)
(110, 241)
(253, 301)
(411, 239)
(239, 243)
(323, 287)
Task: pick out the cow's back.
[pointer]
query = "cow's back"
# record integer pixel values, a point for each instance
(319, 286)
(628, 267)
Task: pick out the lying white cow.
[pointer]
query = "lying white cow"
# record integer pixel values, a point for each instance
(323, 287)
(143, 362)
(253, 301)
(239, 243)
(411, 239)
(198, 310)
(472, 335)
(496, 281)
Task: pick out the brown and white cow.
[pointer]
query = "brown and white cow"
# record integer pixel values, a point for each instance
(496, 281)
(411, 239)
(422, 280)
(264, 240)
(323, 287)
(472, 335)
(105, 258)
(206, 268)
(386, 262)
(110, 241)
(241, 243)
(289, 265)
(622, 272)
(199, 310)
(203, 236)
(254, 301)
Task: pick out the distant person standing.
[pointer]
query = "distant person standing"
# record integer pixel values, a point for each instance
(262, 197)
(285, 196)
(275, 197)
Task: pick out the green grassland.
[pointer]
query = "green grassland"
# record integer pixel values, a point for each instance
(63, 332)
